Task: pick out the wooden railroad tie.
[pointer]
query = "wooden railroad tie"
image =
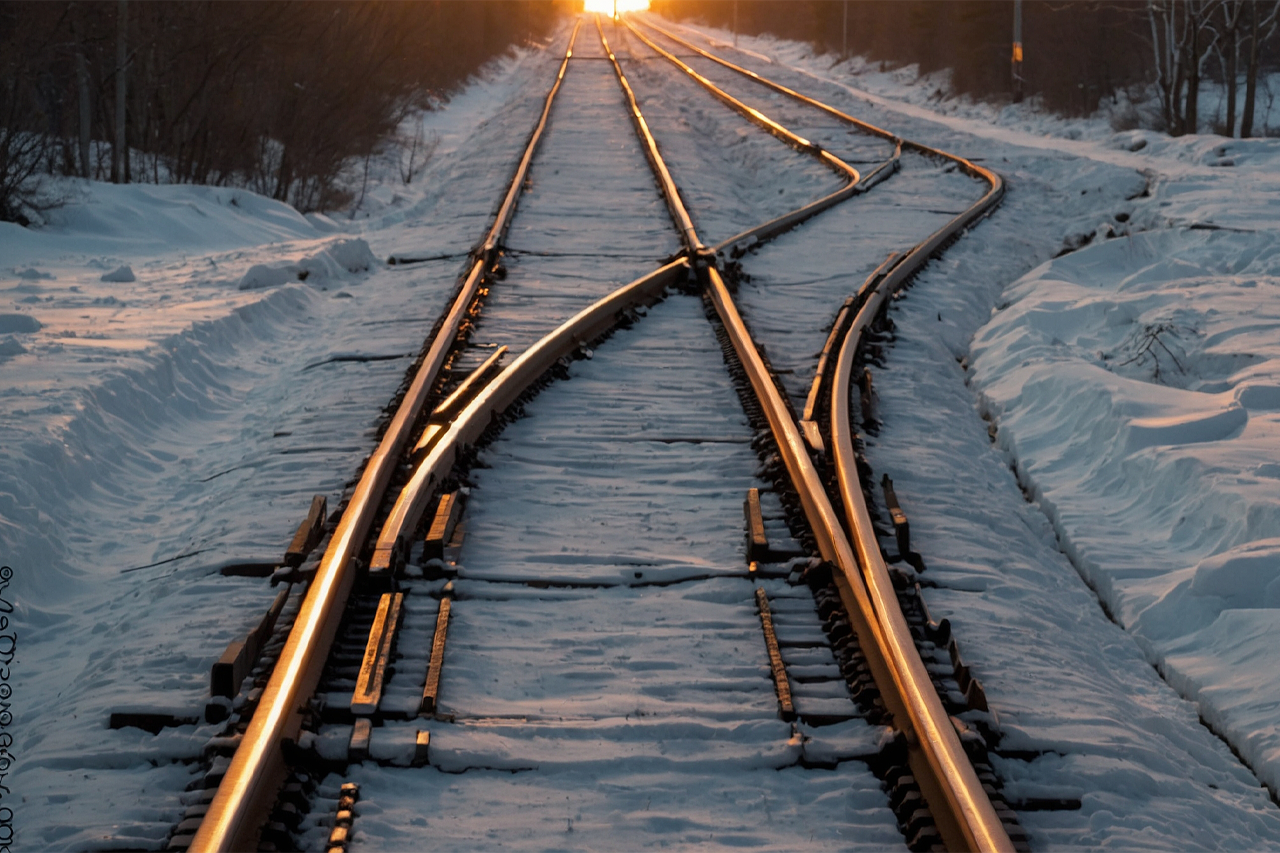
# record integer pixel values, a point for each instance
(974, 694)
(431, 687)
(309, 533)
(361, 735)
(240, 657)
(786, 708)
(344, 816)
(757, 542)
(377, 655)
(440, 533)
(901, 528)
(420, 749)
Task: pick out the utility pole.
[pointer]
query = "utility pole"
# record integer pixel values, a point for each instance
(1017, 51)
(844, 33)
(735, 23)
(120, 147)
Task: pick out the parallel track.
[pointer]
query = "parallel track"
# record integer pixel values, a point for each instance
(961, 808)
(258, 767)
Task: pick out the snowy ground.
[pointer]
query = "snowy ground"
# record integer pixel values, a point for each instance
(1136, 384)
(570, 723)
(159, 427)
(1155, 488)
(185, 426)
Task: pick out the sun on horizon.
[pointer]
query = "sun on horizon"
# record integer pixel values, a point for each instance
(611, 7)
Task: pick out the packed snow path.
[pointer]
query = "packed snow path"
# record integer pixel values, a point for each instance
(641, 672)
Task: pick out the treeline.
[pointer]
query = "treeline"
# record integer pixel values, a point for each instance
(1076, 52)
(276, 96)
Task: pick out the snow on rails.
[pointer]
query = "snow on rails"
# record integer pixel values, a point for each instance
(956, 809)
(349, 673)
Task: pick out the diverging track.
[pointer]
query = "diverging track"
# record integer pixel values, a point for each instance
(571, 626)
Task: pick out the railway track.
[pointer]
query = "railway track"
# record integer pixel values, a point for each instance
(419, 576)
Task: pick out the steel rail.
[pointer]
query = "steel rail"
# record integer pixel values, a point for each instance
(960, 806)
(828, 159)
(508, 208)
(777, 87)
(787, 221)
(857, 184)
(970, 168)
(833, 544)
(475, 417)
(258, 768)
(411, 502)
(679, 214)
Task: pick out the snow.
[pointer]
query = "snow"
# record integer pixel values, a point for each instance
(337, 259)
(145, 220)
(1136, 384)
(158, 430)
(120, 275)
(604, 530)
(183, 367)
(1068, 686)
(741, 179)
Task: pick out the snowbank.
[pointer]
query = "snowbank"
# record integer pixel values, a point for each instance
(119, 316)
(143, 220)
(336, 261)
(1136, 383)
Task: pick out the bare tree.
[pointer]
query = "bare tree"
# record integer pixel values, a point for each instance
(419, 148)
(278, 95)
(1229, 57)
(1262, 26)
(1182, 37)
(120, 142)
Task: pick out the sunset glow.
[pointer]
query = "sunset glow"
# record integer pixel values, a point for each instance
(607, 7)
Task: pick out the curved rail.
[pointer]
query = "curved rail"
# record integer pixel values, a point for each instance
(960, 806)
(828, 159)
(258, 767)
(579, 330)
(776, 226)
(993, 180)
(857, 183)
(413, 498)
